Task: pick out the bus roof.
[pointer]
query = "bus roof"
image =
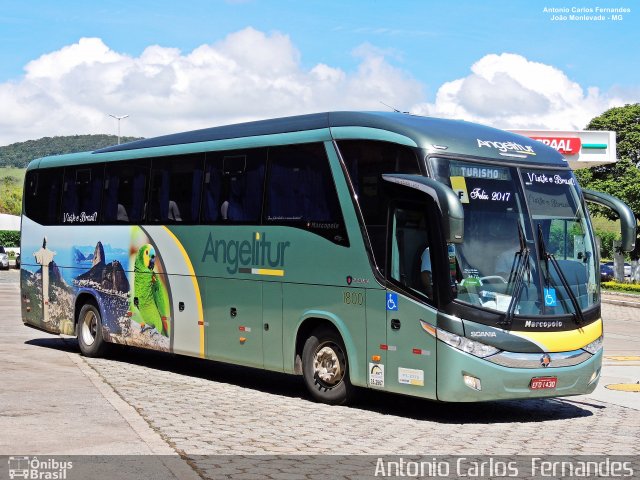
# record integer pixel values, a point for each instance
(432, 134)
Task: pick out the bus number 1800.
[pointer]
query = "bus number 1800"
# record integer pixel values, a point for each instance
(353, 298)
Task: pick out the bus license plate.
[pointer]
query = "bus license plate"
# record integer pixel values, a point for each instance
(541, 383)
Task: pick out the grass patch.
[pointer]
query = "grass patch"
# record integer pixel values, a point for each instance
(12, 172)
(605, 225)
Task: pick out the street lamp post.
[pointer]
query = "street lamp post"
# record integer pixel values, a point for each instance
(118, 117)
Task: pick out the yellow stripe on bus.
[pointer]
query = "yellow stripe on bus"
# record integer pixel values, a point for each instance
(268, 271)
(564, 341)
(196, 289)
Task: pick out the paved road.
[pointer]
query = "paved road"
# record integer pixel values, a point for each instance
(197, 408)
(53, 403)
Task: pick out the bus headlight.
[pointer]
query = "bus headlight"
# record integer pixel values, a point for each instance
(595, 346)
(472, 347)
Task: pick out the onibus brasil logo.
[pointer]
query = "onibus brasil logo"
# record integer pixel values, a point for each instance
(33, 468)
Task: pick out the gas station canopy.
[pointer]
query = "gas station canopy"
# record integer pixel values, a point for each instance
(581, 148)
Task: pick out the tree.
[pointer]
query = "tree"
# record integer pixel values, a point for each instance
(621, 179)
(625, 121)
(20, 154)
(10, 195)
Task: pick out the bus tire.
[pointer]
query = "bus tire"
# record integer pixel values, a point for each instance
(325, 367)
(90, 339)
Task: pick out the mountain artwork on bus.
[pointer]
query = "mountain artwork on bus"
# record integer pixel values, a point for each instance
(125, 276)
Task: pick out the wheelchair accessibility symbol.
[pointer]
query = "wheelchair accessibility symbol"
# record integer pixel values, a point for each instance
(550, 299)
(392, 301)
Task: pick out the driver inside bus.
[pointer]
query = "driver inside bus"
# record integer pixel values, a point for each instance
(504, 236)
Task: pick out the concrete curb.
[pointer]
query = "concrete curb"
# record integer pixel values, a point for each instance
(157, 445)
(622, 303)
(622, 299)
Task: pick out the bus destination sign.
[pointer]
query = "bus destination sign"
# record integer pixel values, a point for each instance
(489, 173)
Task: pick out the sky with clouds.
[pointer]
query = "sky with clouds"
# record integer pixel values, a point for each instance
(175, 66)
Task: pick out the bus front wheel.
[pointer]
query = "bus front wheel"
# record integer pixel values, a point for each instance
(325, 367)
(90, 338)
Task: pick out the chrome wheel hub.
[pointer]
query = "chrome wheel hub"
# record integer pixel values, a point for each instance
(89, 328)
(326, 365)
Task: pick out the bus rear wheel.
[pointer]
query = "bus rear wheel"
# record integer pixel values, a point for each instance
(325, 367)
(89, 330)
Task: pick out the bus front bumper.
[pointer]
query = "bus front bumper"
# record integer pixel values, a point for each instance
(497, 382)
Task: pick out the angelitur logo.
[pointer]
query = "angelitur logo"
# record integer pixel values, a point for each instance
(257, 256)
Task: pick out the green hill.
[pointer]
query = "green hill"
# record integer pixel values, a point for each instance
(15, 157)
(20, 154)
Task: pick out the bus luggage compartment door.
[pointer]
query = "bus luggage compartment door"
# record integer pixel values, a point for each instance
(234, 315)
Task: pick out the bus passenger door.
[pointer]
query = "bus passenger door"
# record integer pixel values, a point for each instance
(411, 351)
(234, 313)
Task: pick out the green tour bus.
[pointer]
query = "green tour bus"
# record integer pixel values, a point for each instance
(427, 257)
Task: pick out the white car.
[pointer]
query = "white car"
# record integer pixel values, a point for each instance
(627, 268)
(4, 259)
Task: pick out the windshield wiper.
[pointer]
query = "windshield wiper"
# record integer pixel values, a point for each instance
(515, 265)
(578, 316)
(518, 268)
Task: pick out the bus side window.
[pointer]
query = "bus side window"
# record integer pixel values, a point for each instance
(366, 161)
(176, 183)
(300, 185)
(245, 186)
(301, 192)
(410, 259)
(212, 191)
(81, 194)
(125, 192)
(233, 186)
(43, 194)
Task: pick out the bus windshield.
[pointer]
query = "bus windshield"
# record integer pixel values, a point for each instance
(527, 248)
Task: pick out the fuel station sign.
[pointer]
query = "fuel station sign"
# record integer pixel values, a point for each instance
(581, 148)
(565, 145)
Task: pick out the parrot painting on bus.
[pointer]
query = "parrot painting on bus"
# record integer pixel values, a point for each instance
(150, 300)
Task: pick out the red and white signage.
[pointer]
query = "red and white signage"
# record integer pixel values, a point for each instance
(580, 148)
(565, 145)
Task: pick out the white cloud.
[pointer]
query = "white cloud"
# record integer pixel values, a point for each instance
(87, 52)
(247, 75)
(251, 74)
(509, 91)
